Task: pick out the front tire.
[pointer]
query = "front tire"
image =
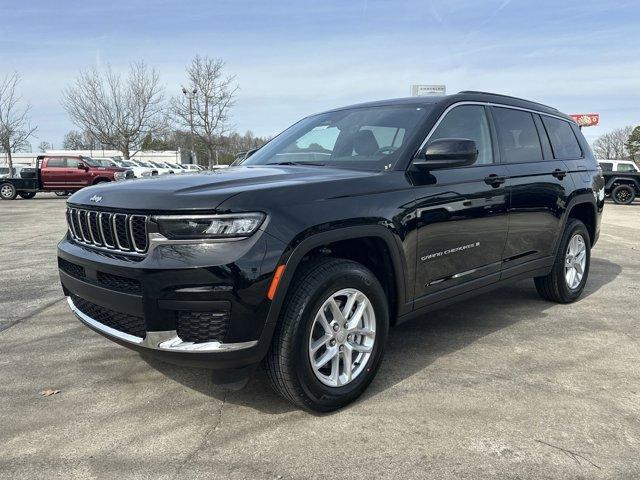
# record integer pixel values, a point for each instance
(330, 339)
(8, 191)
(623, 194)
(570, 270)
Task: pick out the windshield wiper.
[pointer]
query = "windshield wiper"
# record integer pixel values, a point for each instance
(315, 164)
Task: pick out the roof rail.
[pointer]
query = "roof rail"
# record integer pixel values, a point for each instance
(507, 96)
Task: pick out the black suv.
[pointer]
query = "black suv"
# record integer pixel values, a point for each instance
(346, 223)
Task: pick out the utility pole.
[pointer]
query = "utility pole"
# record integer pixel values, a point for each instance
(191, 95)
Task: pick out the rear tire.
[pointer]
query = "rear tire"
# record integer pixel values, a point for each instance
(8, 191)
(574, 255)
(623, 194)
(355, 337)
(27, 195)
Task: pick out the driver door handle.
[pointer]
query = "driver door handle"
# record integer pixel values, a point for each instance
(495, 180)
(559, 174)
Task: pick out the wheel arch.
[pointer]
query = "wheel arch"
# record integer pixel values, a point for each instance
(615, 181)
(336, 242)
(100, 180)
(583, 208)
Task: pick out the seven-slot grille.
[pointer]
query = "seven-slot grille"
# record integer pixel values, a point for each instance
(114, 231)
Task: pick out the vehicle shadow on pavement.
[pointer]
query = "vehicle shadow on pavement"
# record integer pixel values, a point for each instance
(412, 346)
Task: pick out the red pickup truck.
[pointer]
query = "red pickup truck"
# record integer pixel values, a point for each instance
(60, 173)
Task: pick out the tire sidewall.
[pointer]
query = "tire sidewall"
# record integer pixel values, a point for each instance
(319, 393)
(14, 192)
(575, 227)
(623, 187)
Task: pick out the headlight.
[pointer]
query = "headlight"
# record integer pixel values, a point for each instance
(120, 175)
(180, 227)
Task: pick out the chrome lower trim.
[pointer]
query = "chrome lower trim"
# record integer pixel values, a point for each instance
(168, 341)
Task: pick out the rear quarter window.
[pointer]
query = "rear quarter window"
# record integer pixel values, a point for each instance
(563, 142)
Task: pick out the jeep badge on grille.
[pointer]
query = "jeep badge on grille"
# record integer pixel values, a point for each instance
(96, 198)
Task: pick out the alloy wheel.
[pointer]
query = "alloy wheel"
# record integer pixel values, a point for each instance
(575, 261)
(342, 337)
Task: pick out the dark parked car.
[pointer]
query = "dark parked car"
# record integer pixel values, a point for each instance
(347, 223)
(622, 180)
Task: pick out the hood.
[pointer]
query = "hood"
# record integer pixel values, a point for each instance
(205, 191)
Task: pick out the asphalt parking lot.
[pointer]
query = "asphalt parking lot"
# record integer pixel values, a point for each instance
(505, 385)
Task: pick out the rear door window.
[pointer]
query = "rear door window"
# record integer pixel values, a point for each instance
(517, 136)
(606, 166)
(57, 163)
(563, 142)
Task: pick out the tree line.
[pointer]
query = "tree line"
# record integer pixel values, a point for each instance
(622, 144)
(132, 111)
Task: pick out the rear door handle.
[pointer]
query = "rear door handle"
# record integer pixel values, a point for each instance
(495, 180)
(559, 174)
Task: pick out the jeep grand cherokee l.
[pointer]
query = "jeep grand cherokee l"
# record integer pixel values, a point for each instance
(346, 223)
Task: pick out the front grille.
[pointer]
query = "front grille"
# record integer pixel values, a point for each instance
(118, 283)
(131, 324)
(200, 327)
(72, 269)
(120, 232)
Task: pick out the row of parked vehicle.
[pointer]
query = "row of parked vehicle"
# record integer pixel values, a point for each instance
(65, 174)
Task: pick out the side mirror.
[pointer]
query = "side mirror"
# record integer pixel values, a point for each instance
(447, 153)
(82, 166)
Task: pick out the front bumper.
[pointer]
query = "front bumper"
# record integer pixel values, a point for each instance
(195, 305)
(168, 341)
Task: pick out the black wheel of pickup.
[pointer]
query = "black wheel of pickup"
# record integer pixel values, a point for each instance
(62, 194)
(27, 195)
(8, 191)
(330, 338)
(623, 194)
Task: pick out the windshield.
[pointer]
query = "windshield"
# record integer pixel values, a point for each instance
(371, 138)
(128, 163)
(103, 162)
(144, 164)
(91, 162)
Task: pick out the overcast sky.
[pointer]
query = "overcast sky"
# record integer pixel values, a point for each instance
(292, 58)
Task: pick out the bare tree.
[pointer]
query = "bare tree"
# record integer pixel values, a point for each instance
(117, 112)
(44, 146)
(611, 145)
(15, 126)
(204, 108)
(74, 140)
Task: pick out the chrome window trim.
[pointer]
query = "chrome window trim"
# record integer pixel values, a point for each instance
(486, 104)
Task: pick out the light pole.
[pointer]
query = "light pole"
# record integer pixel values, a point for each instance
(191, 95)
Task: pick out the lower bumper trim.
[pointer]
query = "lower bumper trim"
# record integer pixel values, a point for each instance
(163, 341)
